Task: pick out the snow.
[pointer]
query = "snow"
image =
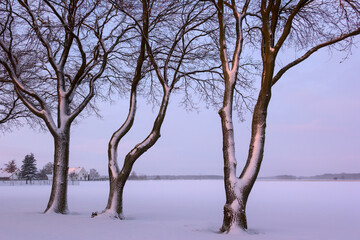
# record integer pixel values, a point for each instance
(113, 165)
(191, 210)
(4, 174)
(254, 161)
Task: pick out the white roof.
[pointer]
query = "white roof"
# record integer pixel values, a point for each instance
(76, 170)
(5, 174)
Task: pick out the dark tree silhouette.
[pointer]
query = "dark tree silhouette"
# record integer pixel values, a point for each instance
(11, 167)
(28, 168)
(48, 168)
(93, 174)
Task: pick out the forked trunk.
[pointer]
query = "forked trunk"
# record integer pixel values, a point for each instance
(118, 178)
(237, 189)
(234, 211)
(114, 207)
(58, 197)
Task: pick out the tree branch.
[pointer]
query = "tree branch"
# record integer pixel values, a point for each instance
(310, 52)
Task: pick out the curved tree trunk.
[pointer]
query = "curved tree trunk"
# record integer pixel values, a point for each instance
(58, 197)
(117, 180)
(114, 208)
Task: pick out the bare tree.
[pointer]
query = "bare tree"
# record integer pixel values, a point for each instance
(230, 67)
(10, 109)
(11, 167)
(12, 112)
(272, 25)
(93, 174)
(53, 53)
(48, 168)
(171, 49)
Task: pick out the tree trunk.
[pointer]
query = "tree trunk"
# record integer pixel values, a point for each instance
(117, 179)
(231, 215)
(238, 189)
(234, 212)
(58, 197)
(114, 208)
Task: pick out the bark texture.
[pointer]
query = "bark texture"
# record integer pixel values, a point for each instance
(58, 197)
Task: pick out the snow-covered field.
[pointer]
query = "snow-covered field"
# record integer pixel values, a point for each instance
(190, 210)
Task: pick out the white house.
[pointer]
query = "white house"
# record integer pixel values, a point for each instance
(78, 173)
(4, 175)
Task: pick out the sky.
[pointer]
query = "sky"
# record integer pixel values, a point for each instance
(313, 128)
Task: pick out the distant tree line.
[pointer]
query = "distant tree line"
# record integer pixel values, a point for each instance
(28, 170)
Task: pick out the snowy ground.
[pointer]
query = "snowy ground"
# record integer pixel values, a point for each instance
(190, 210)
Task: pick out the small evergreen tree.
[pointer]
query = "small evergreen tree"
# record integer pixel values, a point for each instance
(11, 167)
(28, 168)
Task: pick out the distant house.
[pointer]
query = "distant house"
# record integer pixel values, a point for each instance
(4, 175)
(78, 174)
